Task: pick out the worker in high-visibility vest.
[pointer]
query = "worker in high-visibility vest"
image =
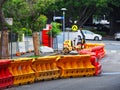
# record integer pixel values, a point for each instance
(83, 38)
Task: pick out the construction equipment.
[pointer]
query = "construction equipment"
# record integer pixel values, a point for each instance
(68, 46)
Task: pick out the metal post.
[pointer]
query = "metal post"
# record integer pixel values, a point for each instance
(68, 34)
(63, 26)
(11, 42)
(51, 39)
(63, 9)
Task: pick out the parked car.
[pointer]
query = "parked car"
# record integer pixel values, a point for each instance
(117, 36)
(90, 35)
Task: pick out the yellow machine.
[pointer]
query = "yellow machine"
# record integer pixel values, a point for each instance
(69, 46)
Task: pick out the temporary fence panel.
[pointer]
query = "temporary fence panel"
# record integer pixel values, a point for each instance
(6, 78)
(29, 46)
(75, 65)
(45, 68)
(22, 71)
(21, 46)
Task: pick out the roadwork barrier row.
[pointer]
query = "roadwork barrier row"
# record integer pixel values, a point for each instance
(28, 70)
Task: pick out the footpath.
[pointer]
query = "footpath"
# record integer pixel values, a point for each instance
(32, 54)
(44, 54)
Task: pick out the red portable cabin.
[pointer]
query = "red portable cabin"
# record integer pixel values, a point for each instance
(46, 39)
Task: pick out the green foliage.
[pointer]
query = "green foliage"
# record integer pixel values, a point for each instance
(76, 8)
(27, 13)
(101, 33)
(55, 29)
(27, 32)
(20, 35)
(114, 2)
(96, 31)
(40, 23)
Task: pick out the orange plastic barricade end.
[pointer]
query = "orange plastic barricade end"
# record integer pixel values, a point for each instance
(22, 71)
(90, 69)
(45, 68)
(6, 79)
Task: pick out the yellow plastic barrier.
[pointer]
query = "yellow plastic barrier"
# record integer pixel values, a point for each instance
(74, 66)
(45, 68)
(90, 45)
(22, 71)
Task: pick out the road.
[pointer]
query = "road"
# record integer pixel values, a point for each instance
(108, 80)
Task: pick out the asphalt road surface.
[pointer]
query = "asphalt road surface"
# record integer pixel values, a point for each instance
(108, 80)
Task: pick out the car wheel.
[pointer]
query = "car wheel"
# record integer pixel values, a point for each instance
(96, 38)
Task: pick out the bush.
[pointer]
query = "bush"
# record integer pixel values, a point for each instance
(96, 31)
(101, 33)
(27, 32)
(55, 29)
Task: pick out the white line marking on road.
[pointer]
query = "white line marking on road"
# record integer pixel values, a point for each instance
(113, 51)
(111, 73)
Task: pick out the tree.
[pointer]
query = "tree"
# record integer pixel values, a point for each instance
(2, 19)
(39, 24)
(79, 10)
(29, 12)
(114, 16)
(82, 10)
(4, 52)
(36, 23)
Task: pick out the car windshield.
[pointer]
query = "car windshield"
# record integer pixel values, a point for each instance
(87, 32)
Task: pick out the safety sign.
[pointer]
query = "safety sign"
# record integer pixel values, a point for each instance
(74, 27)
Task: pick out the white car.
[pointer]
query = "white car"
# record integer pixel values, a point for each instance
(90, 35)
(117, 36)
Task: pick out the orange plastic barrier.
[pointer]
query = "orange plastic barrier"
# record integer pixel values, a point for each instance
(45, 68)
(90, 45)
(6, 78)
(77, 65)
(99, 50)
(97, 64)
(95, 60)
(22, 71)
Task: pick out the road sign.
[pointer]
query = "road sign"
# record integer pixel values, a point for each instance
(58, 17)
(9, 21)
(74, 27)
